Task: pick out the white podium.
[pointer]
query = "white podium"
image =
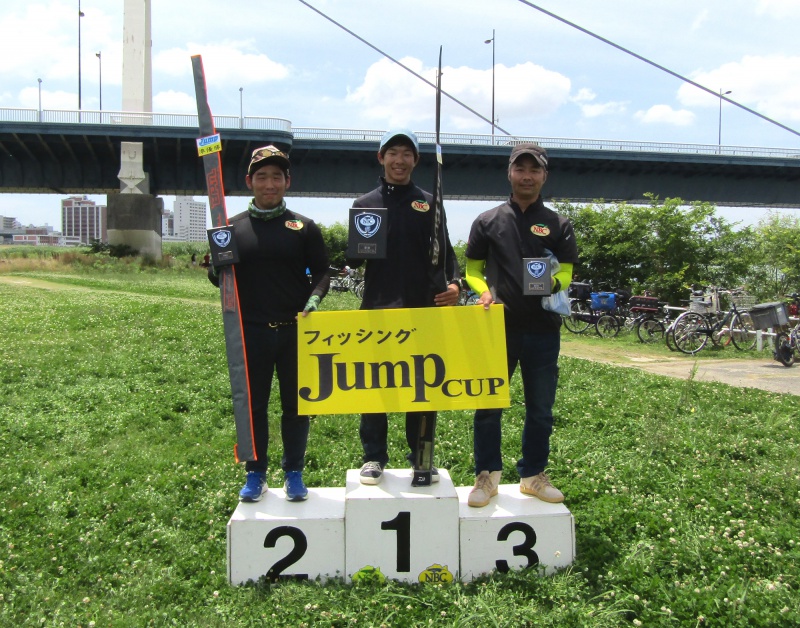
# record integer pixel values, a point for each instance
(280, 539)
(398, 531)
(409, 533)
(515, 531)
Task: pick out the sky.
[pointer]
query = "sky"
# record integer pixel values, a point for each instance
(280, 58)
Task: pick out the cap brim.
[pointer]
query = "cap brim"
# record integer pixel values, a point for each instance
(540, 159)
(281, 162)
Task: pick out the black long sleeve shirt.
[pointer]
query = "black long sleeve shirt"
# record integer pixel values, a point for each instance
(273, 257)
(403, 279)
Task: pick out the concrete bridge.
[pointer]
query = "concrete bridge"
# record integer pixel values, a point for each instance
(78, 152)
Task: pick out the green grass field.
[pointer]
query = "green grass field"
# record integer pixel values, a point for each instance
(118, 480)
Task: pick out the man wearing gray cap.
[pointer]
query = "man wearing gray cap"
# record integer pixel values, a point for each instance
(402, 279)
(275, 247)
(499, 240)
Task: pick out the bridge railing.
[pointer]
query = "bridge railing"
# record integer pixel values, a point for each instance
(187, 120)
(463, 139)
(182, 120)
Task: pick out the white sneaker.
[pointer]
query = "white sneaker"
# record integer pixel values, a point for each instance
(485, 488)
(371, 473)
(539, 486)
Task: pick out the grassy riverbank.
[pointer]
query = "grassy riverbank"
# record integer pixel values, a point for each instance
(118, 481)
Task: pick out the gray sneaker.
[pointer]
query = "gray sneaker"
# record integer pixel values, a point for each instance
(371, 473)
(485, 488)
(539, 486)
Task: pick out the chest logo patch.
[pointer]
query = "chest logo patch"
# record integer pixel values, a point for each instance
(420, 206)
(294, 225)
(540, 230)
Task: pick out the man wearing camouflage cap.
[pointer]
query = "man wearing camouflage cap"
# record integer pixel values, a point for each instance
(275, 246)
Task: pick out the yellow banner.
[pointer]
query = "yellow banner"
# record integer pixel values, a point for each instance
(438, 358)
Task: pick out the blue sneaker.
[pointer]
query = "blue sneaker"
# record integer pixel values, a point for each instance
(296, 491)
(254, 487)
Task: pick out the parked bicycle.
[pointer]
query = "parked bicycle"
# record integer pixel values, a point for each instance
(610, 313)
(580, 295)
(776, 317)
(704, 321)
(346, 279)
(669, 324)
(646, 313)
(787, 346)
(467, 296)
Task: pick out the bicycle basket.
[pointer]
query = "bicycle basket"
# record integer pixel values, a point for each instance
(579, 290)
(644, 304)
(700, 305)
(743, 301)
(765, 315)
(606, 301)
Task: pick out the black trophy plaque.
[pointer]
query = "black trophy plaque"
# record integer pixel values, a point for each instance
(536, 276)
(223, 246)
(367, 229)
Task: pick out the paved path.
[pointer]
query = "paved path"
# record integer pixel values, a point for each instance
(765, 373)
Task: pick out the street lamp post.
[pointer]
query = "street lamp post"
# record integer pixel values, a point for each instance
(492, 42)
(80, 15)
(719, 136)
(40, 99)
(241, 108)
(99, 56)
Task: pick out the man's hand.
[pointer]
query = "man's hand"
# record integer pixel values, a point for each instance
(449, 297)
(311, 305)
(485, 300)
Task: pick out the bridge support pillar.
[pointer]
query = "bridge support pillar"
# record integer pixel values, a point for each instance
(135, 220)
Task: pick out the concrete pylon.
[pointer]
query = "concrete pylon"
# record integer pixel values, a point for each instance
(134, 215)
(137, 68)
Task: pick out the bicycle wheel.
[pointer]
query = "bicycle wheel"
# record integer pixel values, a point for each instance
(689, 333)
(472, 299)
(628, 320)
(743, 335)
(607, 326)
(578, 321)
(669, 337)
(650, 330)
(721, 334)
(784, 353)
(358, 290)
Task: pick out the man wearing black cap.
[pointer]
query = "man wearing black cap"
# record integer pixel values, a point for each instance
(275, 247)
(402, 279)
(499, 240)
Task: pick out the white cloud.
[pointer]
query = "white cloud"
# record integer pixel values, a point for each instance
(700, 19)
(227, 63)
(779, 8)
(174, 102)
(584, 95)
(35, 42)
(29, 99)
(584, 99)
(25, 31)
(764, 84)
(596, 110)
(664, 114)
(396, 97)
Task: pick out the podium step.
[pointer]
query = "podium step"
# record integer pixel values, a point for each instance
(397, 531)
